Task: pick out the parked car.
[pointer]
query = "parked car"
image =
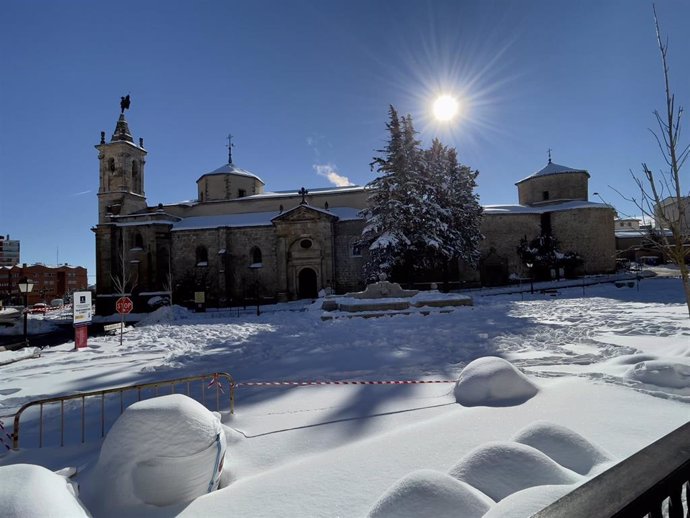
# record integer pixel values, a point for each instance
(39, 307)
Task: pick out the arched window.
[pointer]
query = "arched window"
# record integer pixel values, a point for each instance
(201, 256)
(111, 165)
(356, 248)
(137, 242)
(256, 255)
(136, 179)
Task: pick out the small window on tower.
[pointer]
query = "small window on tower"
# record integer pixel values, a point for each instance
(255, 254)
(111, 165)
(137, 242)
(201, 256)
(136, 183)
(545, 195)
(241, 193)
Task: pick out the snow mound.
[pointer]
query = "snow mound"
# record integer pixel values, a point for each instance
(430, 493)
(661, 373)
(161, 451)
(164, 315)
(563, 445)
(493, 381)
(29, 490)
(528, 501)
(499, 469)
(630, 359)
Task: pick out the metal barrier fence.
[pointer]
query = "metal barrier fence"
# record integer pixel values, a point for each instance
(207, 383)
(649, 483)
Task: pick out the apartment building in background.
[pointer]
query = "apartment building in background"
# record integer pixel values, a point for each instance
(50, 282)
(9, 251)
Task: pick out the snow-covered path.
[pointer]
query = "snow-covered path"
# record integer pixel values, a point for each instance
(614, 366)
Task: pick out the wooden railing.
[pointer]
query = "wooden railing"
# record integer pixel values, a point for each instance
(650, 483)
(197, 387)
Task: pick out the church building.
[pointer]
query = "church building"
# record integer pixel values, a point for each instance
(237, 240)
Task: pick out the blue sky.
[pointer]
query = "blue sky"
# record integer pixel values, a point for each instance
(306, 84)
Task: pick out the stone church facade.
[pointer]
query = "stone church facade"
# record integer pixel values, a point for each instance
(237, 239)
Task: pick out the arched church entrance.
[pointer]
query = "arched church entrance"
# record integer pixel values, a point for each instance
(306, 288)
(493, 269)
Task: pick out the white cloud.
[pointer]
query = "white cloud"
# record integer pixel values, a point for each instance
(329, 171)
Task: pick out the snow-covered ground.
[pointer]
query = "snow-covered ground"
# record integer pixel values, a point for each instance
(597, 378)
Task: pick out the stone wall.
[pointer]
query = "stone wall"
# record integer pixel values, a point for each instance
(242, 280)
(216, 187)
(503, 232)
(590, 233)
(349, 270)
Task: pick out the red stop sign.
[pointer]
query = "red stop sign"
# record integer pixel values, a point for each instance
(124, 305)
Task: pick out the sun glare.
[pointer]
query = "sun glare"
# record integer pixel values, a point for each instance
(445, 108)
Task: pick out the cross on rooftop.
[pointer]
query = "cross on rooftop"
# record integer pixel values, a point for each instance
(303, 192)
(230, 146)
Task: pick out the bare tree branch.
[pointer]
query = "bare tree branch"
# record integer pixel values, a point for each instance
(661, 193)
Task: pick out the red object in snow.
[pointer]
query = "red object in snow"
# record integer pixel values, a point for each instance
(124, 305)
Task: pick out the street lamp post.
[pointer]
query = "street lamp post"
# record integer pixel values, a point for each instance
(531, 276)
(25, 286)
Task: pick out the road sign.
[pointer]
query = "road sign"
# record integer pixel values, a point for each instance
(124, 305)
(81, 307)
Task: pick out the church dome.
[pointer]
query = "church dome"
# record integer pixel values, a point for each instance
(553, 183)
(228, 182)
(552, 168)
(232, 169)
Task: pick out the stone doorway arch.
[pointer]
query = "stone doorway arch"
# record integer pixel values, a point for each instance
(307, 284)
(493, 269)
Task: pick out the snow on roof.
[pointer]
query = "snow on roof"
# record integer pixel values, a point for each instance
(273, 194)
(552, 168)
(641, 232)
(231, 169)
(540, 209)
(322, 190)
(144, 223)
(254, 219)
(346, 213)
(250, 219)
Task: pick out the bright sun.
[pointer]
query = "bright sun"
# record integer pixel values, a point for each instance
(445, 108)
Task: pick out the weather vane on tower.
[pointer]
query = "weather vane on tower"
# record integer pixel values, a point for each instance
(549, 155)
(124, 103)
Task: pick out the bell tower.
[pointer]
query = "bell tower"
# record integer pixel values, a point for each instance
(121, 171)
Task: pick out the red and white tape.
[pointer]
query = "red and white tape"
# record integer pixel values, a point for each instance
(216, 381)
(307, 383)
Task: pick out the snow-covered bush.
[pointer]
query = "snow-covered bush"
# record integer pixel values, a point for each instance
(430, 493)
(661, 373)
(563, 445)
(162, 451)
(499, 469)
(493, 381)
(29, 490)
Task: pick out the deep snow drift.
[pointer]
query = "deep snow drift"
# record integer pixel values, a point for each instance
(162, 451)
(552, 391)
